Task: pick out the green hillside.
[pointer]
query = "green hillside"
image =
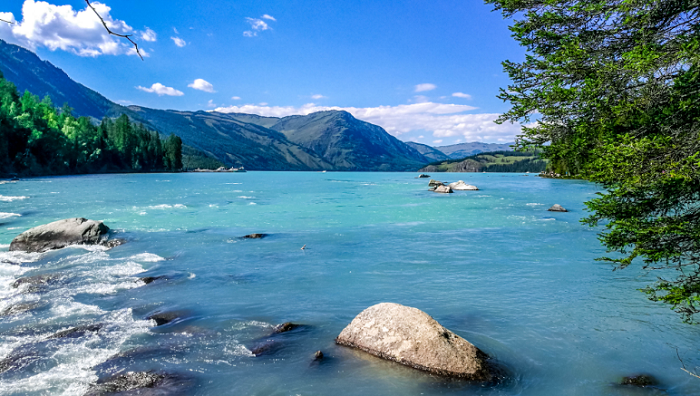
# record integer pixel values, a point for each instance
(496, 161)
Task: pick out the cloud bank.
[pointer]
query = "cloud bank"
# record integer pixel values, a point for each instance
(442, 120)
(61, 27)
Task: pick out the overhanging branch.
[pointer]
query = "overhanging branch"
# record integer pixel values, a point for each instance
(126, 36)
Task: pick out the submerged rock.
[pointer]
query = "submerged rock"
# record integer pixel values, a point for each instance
(462, 186)
(36, 283)
(151, 279)
(142, 383)
(411, 337)
(79, 331)
(16, 309)
(443, 189)
(162, 318)
(641, 380)
(60, 234)
(318, 355)
(284, 327)
(557, 208)
(423, 176)
(255, 236)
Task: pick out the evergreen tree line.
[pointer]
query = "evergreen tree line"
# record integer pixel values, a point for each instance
(38, 139)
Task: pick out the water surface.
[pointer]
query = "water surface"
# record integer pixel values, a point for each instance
(494, 266)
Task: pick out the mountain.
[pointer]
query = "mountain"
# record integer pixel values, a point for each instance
(344, 141)
(41, 78)
(428, 152)
(499, 161)
(462, 150)
(332, 140)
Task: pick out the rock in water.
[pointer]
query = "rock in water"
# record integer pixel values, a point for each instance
(411, 337)
(461, 185)
(60, 234)
(285, 327)
(255, 236)
(443, 189)
(434, 183)
(423, 176)
(557, 208)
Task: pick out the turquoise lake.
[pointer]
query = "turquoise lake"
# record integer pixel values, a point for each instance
(493, 266)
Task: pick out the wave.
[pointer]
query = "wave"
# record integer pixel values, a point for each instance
(166, 206)
(4, 215)
(11, 199)
(534, 204)
(147, 257)
(246, 197)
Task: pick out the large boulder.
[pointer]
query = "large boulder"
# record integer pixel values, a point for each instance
(411, 337)
(461, 185)
(435, 183)
(60, 234)
(443, 189)
(557, 208)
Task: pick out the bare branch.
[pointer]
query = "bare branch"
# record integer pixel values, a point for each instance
(683, 364)
(11, 23)
(126, 36)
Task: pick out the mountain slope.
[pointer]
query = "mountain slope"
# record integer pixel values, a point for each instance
(29, 73)
(344, 141)
(461, 150)
(429, 152)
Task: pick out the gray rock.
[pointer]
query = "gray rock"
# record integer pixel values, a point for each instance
(557, 208)
(77, 332)
(411, 337)
(641, 380)
(162, 318)
(285, 327)
(462, 186)
(255, 236)
(318, 355)
(443, 189)
(423, 176)
(60, 234)
(141, 383)
(36, 283)
(16, 309)
(435, 183)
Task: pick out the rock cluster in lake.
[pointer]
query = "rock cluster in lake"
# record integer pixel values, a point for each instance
(557, 208)
(462, 186)
(60, 234)
(411, 337)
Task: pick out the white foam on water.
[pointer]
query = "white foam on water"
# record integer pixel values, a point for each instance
(235, 349)
(213, 206)
(166, 206)
(5, 215)
(142, 213)
(534, 204)
(18, 257)
(252, 203)
(5, 198)
(67, 308)
(147, 257)
(233, 183)
(246, 197)
(191, 276)
(2, 246)
(89, 248)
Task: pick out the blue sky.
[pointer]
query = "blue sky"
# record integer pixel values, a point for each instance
(427, 71)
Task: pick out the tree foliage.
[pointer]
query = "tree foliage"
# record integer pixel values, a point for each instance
(613, 88)
(38, 139)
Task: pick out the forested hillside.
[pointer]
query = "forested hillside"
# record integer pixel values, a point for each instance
(38, 139)
(497, 161)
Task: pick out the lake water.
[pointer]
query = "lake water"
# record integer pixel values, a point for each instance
(494, 266)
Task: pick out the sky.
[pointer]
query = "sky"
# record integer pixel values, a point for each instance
(426, 71)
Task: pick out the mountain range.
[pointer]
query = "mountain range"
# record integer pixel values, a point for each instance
(327, 140)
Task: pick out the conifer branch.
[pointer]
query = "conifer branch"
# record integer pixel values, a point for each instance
(126, 36)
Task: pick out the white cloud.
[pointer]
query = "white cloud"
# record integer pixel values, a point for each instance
(179, 42)
(236, 97)
(461, 95)
(440, 119)
(148, 35)
(202, 85)
(62, 27)
(257, 25)
(270, 17)
(211, 103)
(421, 137)
(175, 30)
(438, 141)
(161, 90)
(317, 97)
(425, 87)
(262, 103)
(420, 99)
